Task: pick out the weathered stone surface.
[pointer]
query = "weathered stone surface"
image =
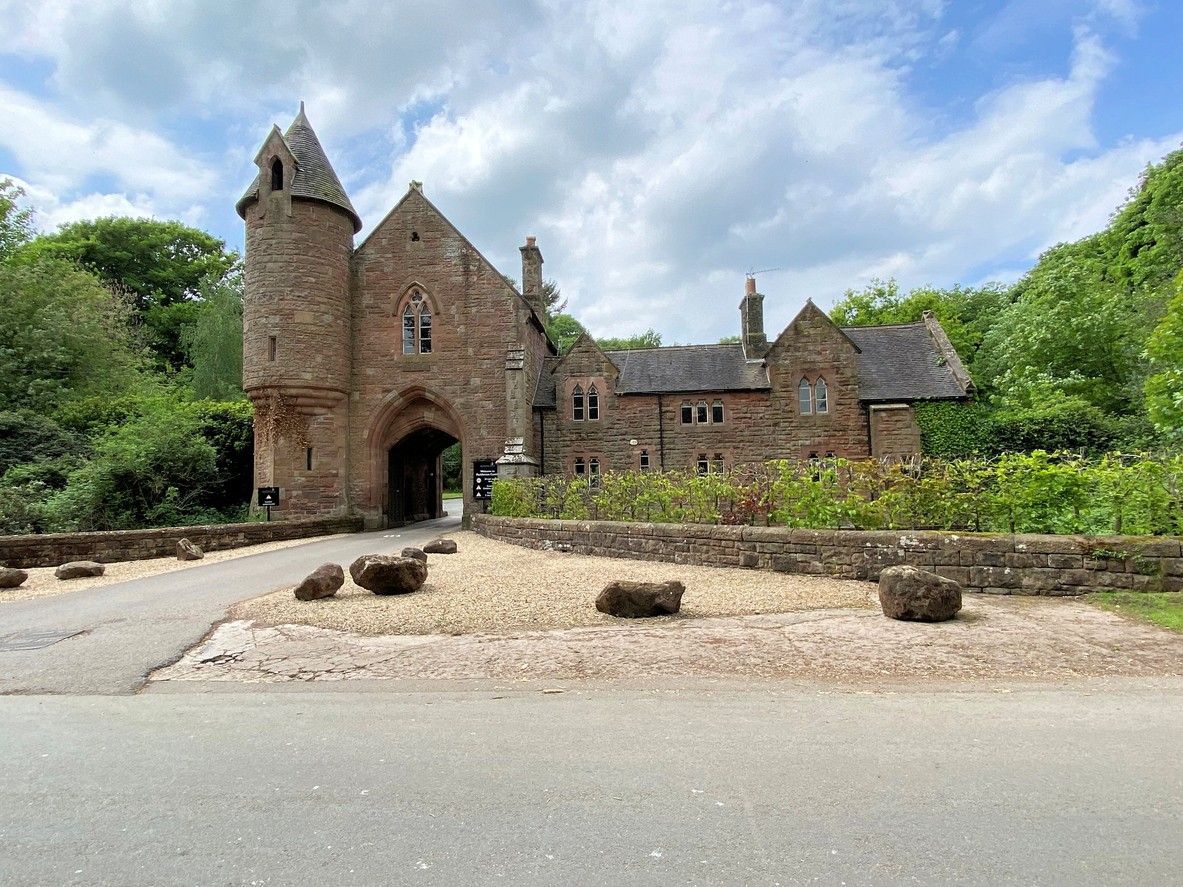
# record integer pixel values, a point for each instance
(636, 600)
(417, 553)
(440, 546)
(917, 595)
(385, 574)
(188, 551)
(321, 583)
(12, 578)
(79, 570)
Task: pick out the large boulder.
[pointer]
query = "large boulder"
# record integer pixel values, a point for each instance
(417, 553)
(440, 546)
(321, 583)
(10, 577)
(916, 595)
(189, 551)
(79, 570)
(385, 574)
(636, 600)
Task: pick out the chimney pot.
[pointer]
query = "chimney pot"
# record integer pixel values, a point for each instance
(531, 241)
(751, 286)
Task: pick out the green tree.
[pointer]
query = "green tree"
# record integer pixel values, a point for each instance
(16, 222)
(1164, 385)
(160, 263)
(965, 313)
(62, 335)
(213, 342)
(563, 330)
(648, 339)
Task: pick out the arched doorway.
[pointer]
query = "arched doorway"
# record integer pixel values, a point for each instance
(416, 477)
(407, 439)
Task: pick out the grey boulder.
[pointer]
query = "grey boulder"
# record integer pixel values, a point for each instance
(417, 553)
(385, 574)
(637, 600)
(10, 577)
(188, 551)
(79, 570)
(916, 595)
(321, 583)
(440, 546)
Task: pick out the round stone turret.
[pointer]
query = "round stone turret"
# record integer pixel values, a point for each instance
(299, 237)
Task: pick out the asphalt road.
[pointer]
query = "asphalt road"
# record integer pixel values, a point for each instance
(122, 632)
(609, 786)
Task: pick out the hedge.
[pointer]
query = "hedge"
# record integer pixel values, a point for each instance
(1030, 493)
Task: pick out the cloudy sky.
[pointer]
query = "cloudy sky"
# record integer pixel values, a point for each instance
(659, 150)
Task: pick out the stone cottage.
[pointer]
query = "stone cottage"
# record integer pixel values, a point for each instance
(366, 361)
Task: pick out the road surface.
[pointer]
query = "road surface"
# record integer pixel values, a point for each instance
(107, 639)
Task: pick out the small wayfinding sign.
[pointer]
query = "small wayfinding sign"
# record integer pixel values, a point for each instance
(484, 472)
(268, 498)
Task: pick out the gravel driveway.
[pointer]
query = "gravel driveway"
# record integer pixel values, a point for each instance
(490, 587)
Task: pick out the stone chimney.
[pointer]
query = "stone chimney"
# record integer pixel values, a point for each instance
(751, 318)
(532, 276)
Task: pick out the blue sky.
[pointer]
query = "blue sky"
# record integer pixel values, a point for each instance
(658, 151)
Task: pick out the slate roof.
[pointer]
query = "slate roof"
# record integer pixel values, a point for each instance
(896, 363)
(902, 363)
(315, 178)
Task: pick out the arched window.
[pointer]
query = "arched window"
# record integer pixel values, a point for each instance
(577, 403)
(717, 412)
(644, 460)
(594, 472)
(417, 324)
(701, 412)
(687, 413)
(593, 404)
(821, 397)
(276, 174)
(409, 330)
(805, 397)
(425, 329)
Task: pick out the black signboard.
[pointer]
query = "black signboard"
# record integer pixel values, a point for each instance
(268, 497)
(484, 472)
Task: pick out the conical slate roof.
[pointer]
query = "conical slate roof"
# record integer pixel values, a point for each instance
(315, 179)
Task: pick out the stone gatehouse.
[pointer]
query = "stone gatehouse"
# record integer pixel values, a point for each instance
(365, 362)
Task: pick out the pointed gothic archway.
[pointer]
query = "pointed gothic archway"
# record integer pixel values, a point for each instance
(408, 436)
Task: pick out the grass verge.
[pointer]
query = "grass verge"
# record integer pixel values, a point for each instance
(1161, 608)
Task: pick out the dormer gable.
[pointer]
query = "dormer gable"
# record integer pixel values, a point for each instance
(813, 323)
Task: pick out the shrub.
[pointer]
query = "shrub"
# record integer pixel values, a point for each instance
(1038, 492)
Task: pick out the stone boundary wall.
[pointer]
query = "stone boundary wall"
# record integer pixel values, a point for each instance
(51, 549)
(995, 564)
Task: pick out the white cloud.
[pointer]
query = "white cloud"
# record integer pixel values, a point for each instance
(658, 150)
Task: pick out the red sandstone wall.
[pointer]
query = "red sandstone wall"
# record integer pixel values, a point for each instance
(478, 318)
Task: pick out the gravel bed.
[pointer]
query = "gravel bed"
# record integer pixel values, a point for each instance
(493, 587)
(42, 582)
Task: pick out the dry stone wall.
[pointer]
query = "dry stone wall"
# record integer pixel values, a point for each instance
(51, 549)
(994, 564)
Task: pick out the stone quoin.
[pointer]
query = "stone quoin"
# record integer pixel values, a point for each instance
(366, 361)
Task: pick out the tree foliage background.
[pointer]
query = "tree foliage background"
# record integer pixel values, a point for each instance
(120, 375)
(1085, 352)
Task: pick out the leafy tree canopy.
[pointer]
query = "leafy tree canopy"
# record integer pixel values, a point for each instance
(160, 263)
(648, 339)
(62, 335)
(213, 342)
(16, 222)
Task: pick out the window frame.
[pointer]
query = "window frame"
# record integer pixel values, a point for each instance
(417, 331)
(821, 397)
(687, 413)
(702, 465)
(579, 467)
(643, 463)
(804, 404)
(701, 413)
(717, 412)
(593, 403)
(577, 403)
